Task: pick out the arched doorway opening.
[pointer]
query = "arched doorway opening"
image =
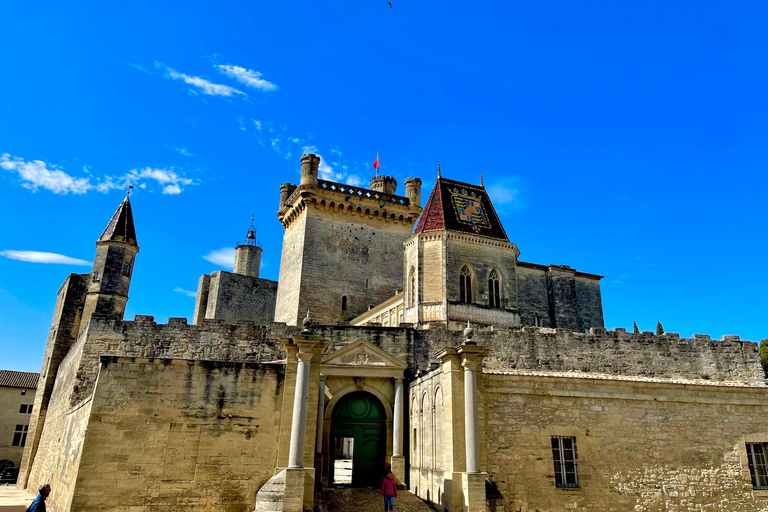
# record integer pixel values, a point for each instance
(358, 441)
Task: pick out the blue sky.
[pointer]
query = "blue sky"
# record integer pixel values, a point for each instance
(621, 138)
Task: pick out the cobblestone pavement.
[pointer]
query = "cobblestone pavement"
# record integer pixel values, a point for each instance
(367, 500)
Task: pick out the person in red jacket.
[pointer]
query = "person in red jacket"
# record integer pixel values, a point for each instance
(389, 491)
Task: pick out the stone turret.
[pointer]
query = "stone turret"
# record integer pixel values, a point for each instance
(110, 280)
(310, 163)
(386, 184)
(413, 191)
(248, 255)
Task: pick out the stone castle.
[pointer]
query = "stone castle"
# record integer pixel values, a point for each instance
(396, 338)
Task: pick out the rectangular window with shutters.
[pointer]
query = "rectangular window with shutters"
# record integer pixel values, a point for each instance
(756, 458)
(20, 435)
(564, 456)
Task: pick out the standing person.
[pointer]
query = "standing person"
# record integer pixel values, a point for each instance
(389, 491)
(39, 504)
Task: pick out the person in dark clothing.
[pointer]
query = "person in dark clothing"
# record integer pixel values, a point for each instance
(39, 504)
(389, 491)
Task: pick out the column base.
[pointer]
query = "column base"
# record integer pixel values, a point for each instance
(473, 489)
(398, 468)
(299, 489)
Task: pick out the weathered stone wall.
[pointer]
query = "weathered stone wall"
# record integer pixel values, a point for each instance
(179, 435)
(11, 400)
(287, 308)
(589, 302)
(350, 256)
(57, 458)
(234, 297)
(532, 295)
(644, 446)
(63, 333)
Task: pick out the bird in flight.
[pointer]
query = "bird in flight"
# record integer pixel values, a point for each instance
(389, 4)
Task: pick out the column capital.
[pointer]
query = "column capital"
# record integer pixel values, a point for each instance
(305, 348)
(447, 353)
(399, 379)
(472, 356)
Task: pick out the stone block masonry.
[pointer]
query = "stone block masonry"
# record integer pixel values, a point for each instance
(179, 435)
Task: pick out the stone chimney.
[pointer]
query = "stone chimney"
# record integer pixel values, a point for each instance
(385, 184)
(310, 164)
(413, 191)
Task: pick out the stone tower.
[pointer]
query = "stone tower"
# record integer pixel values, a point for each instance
(343, 245)
(110, 280)
(248, 255)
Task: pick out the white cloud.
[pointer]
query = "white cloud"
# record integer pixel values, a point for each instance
(503, 193)
(257, 123)
(248, 77)
(171, 190)
(185, 292)
(206, 86)
(354, 180)
(181, 151)
(36, 174)
(43, 257)
(224, 257)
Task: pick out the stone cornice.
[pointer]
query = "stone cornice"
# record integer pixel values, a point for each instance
(429, 236)
(348, 200)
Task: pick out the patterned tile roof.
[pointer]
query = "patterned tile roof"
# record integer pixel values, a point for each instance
(11, 379)
(120, 227)
(458, 206)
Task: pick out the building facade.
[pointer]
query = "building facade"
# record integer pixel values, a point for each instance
(17, 398)
(402, 339)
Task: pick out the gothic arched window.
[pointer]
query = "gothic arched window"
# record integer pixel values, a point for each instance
(412, 287)
(494, 289)
(465, 285)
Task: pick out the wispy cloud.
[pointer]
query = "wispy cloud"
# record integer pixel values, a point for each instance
(248, 77)
(223, 257)
(205, 86)
(36, 174)
(185, 292)
(43, 257)
(181, 151)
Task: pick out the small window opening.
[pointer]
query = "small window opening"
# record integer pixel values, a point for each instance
(97, 276)
(344, 303)
(537, 321)
(23, 392)
(564, 456)
(126, 270)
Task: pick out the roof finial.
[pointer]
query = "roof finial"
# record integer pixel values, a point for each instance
(128, 192)
(307, 324)
(468, 333)
(438, 170)
(481, 180)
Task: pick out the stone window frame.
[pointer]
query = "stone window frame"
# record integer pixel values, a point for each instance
(582, 454)
(412, 291)
(494, 289)
(761, 438)
(469, 295)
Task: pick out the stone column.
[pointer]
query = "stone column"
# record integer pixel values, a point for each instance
(320, 415)
(471, 427)
(300, 398)
(473, 480)
(398, 460)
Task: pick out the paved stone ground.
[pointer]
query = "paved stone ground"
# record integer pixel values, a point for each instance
(367, 500)
(13, 499)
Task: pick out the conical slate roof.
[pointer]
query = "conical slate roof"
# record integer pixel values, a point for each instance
(458, 206)
(120, 227)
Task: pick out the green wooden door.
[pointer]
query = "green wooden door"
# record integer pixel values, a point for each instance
(358, 433)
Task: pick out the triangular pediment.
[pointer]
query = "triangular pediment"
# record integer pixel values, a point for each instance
(362, 354)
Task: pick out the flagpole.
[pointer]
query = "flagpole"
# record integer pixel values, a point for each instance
(378, 163)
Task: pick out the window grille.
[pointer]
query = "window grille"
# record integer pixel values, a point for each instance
(465, 285)
(126, 270)
(412, 292)
(564, 456)
(97, 276)
(757, 465)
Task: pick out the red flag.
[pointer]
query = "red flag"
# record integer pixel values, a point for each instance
(376, 163)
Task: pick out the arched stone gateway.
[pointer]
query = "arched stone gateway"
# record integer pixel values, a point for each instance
(358, 441)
